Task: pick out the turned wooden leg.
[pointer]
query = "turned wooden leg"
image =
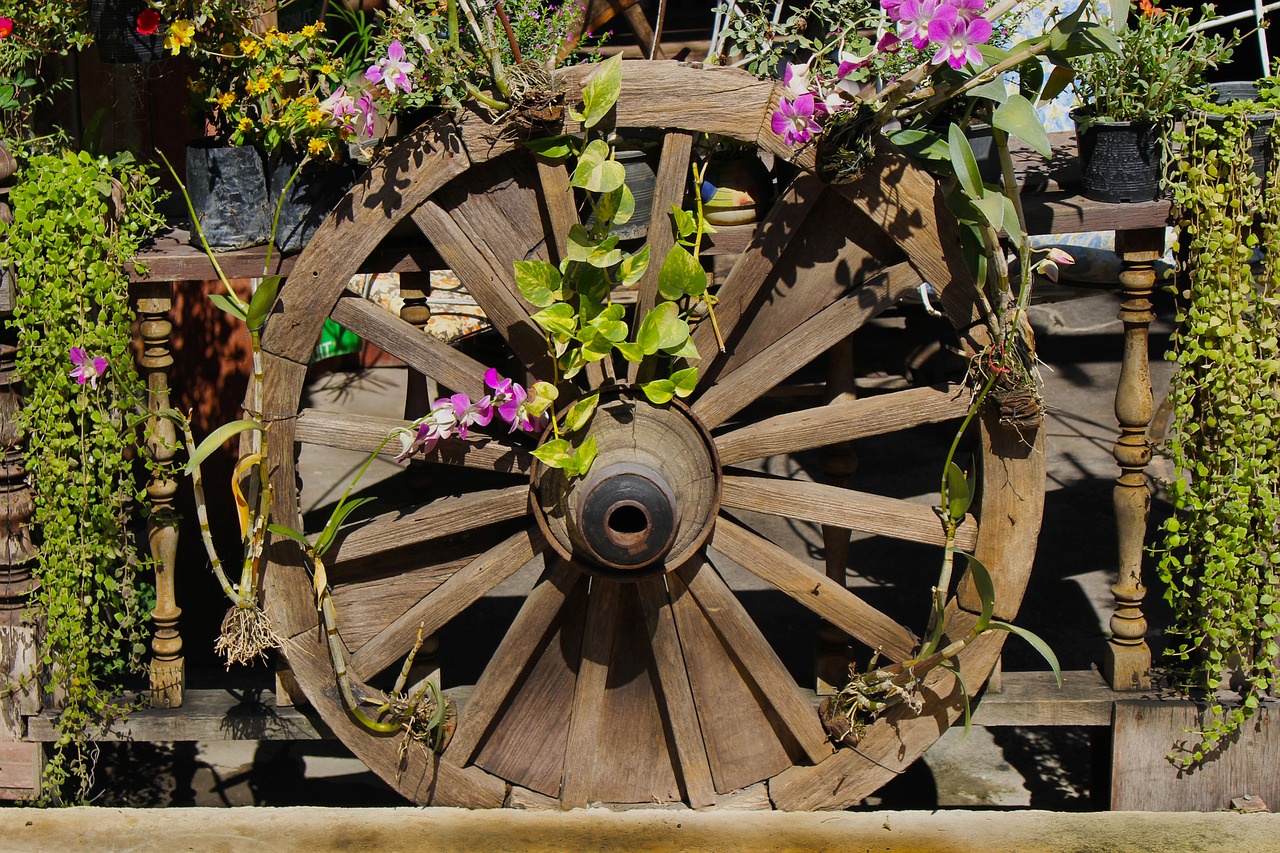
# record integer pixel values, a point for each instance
(168, 670)
(1127, 664)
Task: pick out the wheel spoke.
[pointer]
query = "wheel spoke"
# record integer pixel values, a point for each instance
(431, 357)
(453, 596)
(557, 203)
(581, 755)
(843, 421)
(844, 508)
(522, 641)
(365, 433)
(825, 597)
(443, 516)
(677, 695)
(734, 391)
(756, 658)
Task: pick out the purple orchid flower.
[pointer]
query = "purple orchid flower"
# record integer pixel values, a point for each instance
(796, 79)
(968, 10)
(958, 41)
(392, 70)
(892, 8)
(793, 120)
(340, 108)
(508, 399)
(919, 15)
(87, 369)
(366, 113)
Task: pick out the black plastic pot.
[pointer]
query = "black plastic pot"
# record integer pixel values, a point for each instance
(115, 32)
(1260, 148)
(228, 188)
(1120, 161)
(313, 194)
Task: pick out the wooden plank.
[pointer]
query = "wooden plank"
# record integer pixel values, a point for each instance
(677, 695)
(813, 589)
(669, 184)
(509, 661)
(587, 717)
(453, 596)
(733, 392)
(821, 426)
(19, 770)
(844, 508)
(741, 742)
(441, 517)
(558, 208)
(1034, 699)
(528, 747)
(429, 356)
(1142, 779)
(757, 658)
(365, 433)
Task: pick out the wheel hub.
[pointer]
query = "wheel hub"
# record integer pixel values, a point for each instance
(649, 501)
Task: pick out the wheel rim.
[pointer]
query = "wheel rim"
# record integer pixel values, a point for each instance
(655, 661)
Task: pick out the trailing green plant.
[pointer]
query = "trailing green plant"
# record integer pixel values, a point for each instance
(1220, 555)
(77, 221)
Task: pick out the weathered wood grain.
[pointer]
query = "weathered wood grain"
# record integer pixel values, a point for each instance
(459, 592)
(669, 184)
(587, 716)
(559, 211)
(845, 508)
(821, 426)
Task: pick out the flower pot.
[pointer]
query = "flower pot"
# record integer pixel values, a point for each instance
(115, 32)
(637, 156)
(736, 190)
(228, 189)
(318, 188)
(1120, 161)
(1260, 148)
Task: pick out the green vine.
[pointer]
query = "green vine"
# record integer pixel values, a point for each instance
(77, 221)
(1220, 556)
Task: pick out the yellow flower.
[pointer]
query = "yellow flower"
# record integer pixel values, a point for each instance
(180, 33)
(314, 117)
(327, 68)
(250, 47)
(257, 86)
(309, 31)
(277, 74)
(199, 87)
(226, 99)
(272, 36)
(246, 124)
(317, 147)
(319, 25)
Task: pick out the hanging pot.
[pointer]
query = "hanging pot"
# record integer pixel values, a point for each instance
(228, 189)
(317, 190)
(637, 155)
(1120, 161)
(1260, 123)
(115, 26)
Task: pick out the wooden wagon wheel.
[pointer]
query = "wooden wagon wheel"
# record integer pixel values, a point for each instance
(660, 689)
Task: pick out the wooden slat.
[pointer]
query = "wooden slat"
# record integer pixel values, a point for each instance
(757, 658)
(677, 696)
(580, 756)
(442, 517)
(741, 742)
(518, 647)
(810, 587)
(673, 172)
(453, 596)
(821, 426)
(733, 392)
(839, 507)
(365, 433)
(434, 358)
(754, 267)
(558, 207)
(1034, 699)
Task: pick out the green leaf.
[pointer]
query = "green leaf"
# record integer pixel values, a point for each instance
(672, 329)
(685, 381)
(216, 439)
(958, 494)
(226, 304)
(340, 513)
(991, 205)
(686, 225)
(1017, 117)
(1035, 642)
(687, 350)
(559, 318)
(659, 391)
(597, 253)
(964, 698)
(1011, 224)
(963, 161)
(1119, 15)
(539, 282)
(290, 533)
(1059, 79)
(631, 352)
(986, 590)
(579, 414)
(993, 90)
(554, 453)
(579, 462)
(595, 171)
(601, 92)
(633, 266)
(921, 144)
(552, 147)
(260, 305)
(681, 274)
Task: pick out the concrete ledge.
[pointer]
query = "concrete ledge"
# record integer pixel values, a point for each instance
(314, 830)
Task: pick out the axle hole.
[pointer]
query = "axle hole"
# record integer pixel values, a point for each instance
(628, 519)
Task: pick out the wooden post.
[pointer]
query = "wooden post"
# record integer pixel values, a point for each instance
(1127, 663)
(168, 670)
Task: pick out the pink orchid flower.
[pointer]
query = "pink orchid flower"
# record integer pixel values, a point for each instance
(340, 108)
(87, 369)
(392, 70)
(968, 10)
(958, 41)
(796, 79)
(892, 8)
(508, 399)
(793, 120)
(366, 113)
(918, 16)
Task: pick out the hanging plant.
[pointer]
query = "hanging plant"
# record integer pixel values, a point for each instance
(77, 221)
(1220, 557)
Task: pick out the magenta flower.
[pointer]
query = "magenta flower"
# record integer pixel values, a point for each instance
(968, 10)
(793, 120)
(6, 27)
(509, 399)
(796, 79)
(918, 16)
(958, 41)
(366, 112)
(392, 70)
(892, 8)
(340, 108)
(87, 369)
